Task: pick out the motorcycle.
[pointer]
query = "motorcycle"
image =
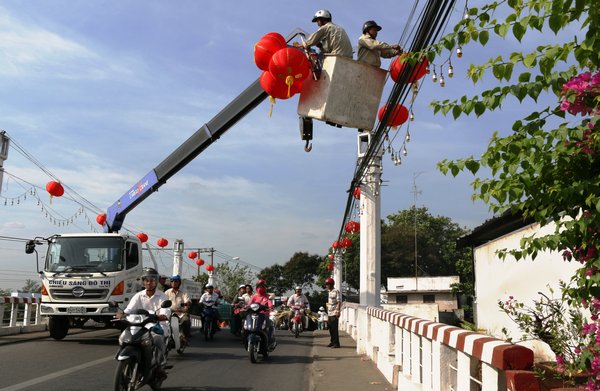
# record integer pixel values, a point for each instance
(298, 320)
(209, 321)
(138, 358)
(256, 333)
(176, 339)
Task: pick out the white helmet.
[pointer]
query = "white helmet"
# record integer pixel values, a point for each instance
(321, 14)
(321, 308)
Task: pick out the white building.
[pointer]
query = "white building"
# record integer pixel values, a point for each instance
(497, 279)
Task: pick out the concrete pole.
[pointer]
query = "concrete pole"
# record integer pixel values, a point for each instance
(177, 257)
(370, 235)
(211, 280)
(337, 270)
(4, 141)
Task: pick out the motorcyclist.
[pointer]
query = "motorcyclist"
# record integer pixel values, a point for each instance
(261, 297)
(210, 299)
(150, 300)
(300, 300)
(238, 306)
(181, 304)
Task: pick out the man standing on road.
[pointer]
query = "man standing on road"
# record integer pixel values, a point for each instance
(334, 306)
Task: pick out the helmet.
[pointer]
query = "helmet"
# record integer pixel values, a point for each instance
(176, 278)
(208, 286)
(149, 272)
(242, 286)
(321, 14)
(261, 283)
(321, 308)
(368, 24)
(329, 281)
(298, 288)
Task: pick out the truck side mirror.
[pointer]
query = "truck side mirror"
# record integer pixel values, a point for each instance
(30, 247)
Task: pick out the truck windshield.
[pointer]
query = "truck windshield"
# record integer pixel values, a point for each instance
(84, 255)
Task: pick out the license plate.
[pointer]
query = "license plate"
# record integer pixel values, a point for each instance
(75, 310)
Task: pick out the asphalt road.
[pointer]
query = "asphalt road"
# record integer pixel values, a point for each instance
(85, 361)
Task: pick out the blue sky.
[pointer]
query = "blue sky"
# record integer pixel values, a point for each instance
(100, 92)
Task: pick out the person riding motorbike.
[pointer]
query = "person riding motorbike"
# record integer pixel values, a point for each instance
(181, 304)
(238, 311)
(300, 300)
(261, 297)
(150, 300)
(210, 300)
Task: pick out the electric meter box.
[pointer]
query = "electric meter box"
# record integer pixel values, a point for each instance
(347, 93)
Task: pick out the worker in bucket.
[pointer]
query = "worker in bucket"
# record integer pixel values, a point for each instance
(330, 38)
(370, 50)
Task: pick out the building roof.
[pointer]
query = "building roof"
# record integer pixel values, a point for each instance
(494, 228)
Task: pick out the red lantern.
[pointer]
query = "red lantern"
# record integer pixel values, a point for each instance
(356, 192)
(330, 256)
(352, 226)
(101, 218)
(398, 116)
(264, 49)
(346, 242)
(330, 266)
(142, 237)
(55, 189)
(413, 72)
(162, 242)
(291, 66)
(336, 244)
(210, 268)
(192, 255)
(199, 261)
(272, 86)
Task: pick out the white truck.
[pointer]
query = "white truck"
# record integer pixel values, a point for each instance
(82, 273)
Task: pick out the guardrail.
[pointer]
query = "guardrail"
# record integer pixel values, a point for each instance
(23, 315)
(417, 354)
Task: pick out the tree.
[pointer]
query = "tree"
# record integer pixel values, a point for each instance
(301, 269)
(5, 292)
(228, 279)
(32, 286)
(201, 278)
(547, 167)
(276, 278)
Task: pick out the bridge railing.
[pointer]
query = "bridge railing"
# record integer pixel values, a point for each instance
(417, 354)
(20, 314)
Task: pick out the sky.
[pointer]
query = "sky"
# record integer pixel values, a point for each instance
(100, 92)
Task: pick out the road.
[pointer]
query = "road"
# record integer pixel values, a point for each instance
(86, 361)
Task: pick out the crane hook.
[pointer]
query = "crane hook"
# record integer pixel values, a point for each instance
(308, 146)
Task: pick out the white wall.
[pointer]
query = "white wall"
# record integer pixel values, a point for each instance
(497, 280)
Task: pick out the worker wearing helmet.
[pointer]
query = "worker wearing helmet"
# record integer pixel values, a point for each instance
(180, 305)
(334, 305)
(330, 38)
(370, 50)
(150, 299)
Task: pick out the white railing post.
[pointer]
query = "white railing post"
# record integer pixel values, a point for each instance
(2, 307)
(38, 312)
(426, 362)
(406, 351)
(14, 309)
(27, 314)
(465, 369)
(491, 378)
(415, 354)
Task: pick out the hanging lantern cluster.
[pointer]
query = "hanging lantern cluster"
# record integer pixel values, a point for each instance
(352, 227)
(285, 68)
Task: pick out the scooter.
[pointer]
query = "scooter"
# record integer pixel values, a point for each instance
(176, 339)
(209, 321)
(298, 320)
(256, 333)
(138, 358)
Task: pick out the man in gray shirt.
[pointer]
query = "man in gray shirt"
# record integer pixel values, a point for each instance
(331, 38)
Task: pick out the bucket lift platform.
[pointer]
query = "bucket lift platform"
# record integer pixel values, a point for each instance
(347, 93)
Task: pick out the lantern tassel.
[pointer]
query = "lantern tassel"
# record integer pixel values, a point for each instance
(272, 100)
(289, 81)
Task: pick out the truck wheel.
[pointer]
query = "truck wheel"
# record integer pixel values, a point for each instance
(58, 327)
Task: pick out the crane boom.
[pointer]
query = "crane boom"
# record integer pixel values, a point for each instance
(187, 151)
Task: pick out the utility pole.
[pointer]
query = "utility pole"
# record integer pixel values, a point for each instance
(416, 192)
(177, 257)
(4, 141)
(210, 250)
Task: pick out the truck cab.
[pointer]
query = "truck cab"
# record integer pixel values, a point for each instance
(82, 273)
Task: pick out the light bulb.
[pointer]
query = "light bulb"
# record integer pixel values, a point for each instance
(405, 152)
(434, 77)
(427, 69)
(389, 149)
(412, 116)
(466, 15)
(407, 138)
(450, 71)
(442, 82)
(459, 52)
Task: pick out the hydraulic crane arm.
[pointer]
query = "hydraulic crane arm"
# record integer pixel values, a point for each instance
(187, 151)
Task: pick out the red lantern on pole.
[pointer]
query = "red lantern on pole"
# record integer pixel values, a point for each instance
(192, 255)
(162, 242)
(336, 245)
(199, 261)
(264, 49)
(398, 116)
(330, 266)
(412, 73)
(290, 65)
(276, 88)
(101, 219)
(352, 227)
(55, 189)
(346, 242)
(210, 268)
(142, 237)
(330, 256)
(356, 192)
